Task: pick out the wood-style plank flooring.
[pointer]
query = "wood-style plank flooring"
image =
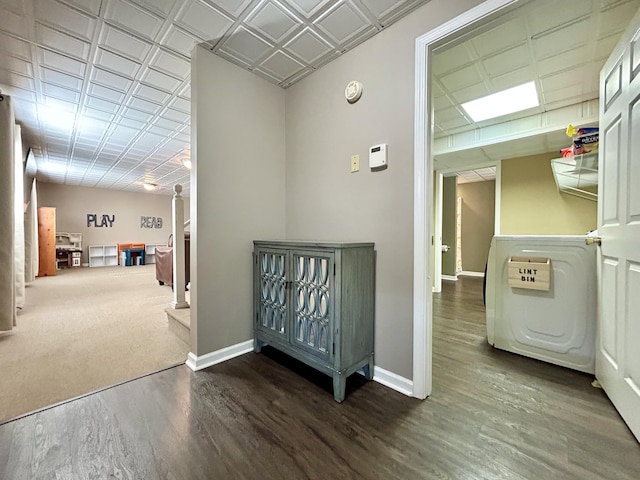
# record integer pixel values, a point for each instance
(492, 415)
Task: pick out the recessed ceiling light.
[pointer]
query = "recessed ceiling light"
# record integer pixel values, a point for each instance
(502, 103)
(149, 186)
(187, 163)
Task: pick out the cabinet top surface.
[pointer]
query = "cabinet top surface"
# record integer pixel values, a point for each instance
(310, 244)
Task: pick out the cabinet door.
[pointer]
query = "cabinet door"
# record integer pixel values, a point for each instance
(313, 301)
(273, 299)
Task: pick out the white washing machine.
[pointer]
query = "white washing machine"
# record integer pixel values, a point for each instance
(557, 325)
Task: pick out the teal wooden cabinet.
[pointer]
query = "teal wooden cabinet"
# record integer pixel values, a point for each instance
(315, 302)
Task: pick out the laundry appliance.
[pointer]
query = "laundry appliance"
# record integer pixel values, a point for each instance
(541, 298)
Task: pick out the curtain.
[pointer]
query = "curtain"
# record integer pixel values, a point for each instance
(31, 236)
(19, 218)
(7, 216)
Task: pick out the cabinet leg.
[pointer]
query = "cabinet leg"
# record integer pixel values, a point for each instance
(339, 386)
(368, 369)
(257, 345)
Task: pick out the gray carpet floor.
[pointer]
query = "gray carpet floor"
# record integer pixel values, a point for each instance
(82, 330)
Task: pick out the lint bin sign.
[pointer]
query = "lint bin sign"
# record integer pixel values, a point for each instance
(533, 273)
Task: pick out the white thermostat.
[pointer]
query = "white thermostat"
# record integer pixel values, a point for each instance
(378, 156)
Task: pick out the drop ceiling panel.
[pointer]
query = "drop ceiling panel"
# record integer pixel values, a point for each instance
(133, 18)
(343, 23)
(13, 22)
(90, 6)
(151, 94)
(181, 104)
(234, 7)
(61, 93)
(205, 21)
(111, 80)
(62, 42)
(61, 79)
(124, 44)
(273, 21)
(96, 90)
(308, 46)
(246, 45)
(65, 18)
(117, 63)
(161, 7)
(15, 47)
(180, 41)
(63, 63)
(170, 64)
(281, 66)
(507, 60)
(509, 34)
(102, 105)
(16, 65)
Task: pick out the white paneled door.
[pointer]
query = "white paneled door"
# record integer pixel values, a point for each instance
(618, 352)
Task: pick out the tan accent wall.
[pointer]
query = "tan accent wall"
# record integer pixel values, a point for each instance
(532, 205)
(478, 223)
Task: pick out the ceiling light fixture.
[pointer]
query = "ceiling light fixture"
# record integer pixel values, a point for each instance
(502, 103)
(149, 186)
(187, 163)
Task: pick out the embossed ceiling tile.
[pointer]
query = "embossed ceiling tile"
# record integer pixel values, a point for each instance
(130, 122)
(89, 6)
(99, 113)
(451, 59)
(186, 92)
(133, 18)
(63, 63)
(266, 75)
(246, 45)
(17, 6)
(234, 59)
(514, 78)
(477, 90)
(160, 131)
(506, 60)
(614, 20)
(309, 7)
(151, 94)
(343, 22)
(298, 76)
(111, 80)
(281, 65)
(103, 105)
(60, 92)
(495, 40)
(105, 93)
(57, 78)
(555, 63)
(563, 40)
(122, 135)
(15, 47)
(144, 105)
(234, 7)
(308, 46)
(203, 20)
(137, 114)
(13, 80)
(461, 78)
(161, 7)
(171, 64)
(604, 46)
(168, 124)
(63, 43)
(14, 23)
(273, 20)
(180, 41)
(177, 116)
(123, 43)
(66, 18)
(16, 65)
(160, 80)
(181, 104)
(551, 15)
(117, 63)
(383, 8)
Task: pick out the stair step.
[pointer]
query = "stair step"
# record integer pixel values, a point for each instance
(179, 322)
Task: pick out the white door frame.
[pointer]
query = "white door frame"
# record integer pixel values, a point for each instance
(423, 188)
(439, 178)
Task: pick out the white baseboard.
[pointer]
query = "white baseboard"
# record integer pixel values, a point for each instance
(393, 381)
(471, 274)
(453, 278)
(196, 363)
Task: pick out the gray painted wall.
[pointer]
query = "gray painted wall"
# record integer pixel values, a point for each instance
(237, 193)
(325, 201)
(449, 197)
(74, 203)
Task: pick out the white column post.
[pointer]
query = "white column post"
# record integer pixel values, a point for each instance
(178, 249)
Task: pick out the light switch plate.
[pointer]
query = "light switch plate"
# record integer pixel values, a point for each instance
(355, 163)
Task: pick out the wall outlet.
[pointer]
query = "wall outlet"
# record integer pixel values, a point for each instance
(355, 163)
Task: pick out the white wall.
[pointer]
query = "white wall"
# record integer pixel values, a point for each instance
(237, 194)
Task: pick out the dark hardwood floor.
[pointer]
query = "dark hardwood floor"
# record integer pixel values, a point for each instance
(492, 415)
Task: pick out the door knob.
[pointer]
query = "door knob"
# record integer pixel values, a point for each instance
(592, 240)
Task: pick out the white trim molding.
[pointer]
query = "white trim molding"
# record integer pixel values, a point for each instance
(471, 274)
(393, 381)
(452, 278)
(423, 188)
(196, 363)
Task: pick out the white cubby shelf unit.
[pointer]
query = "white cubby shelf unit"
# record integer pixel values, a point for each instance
(103, 255)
